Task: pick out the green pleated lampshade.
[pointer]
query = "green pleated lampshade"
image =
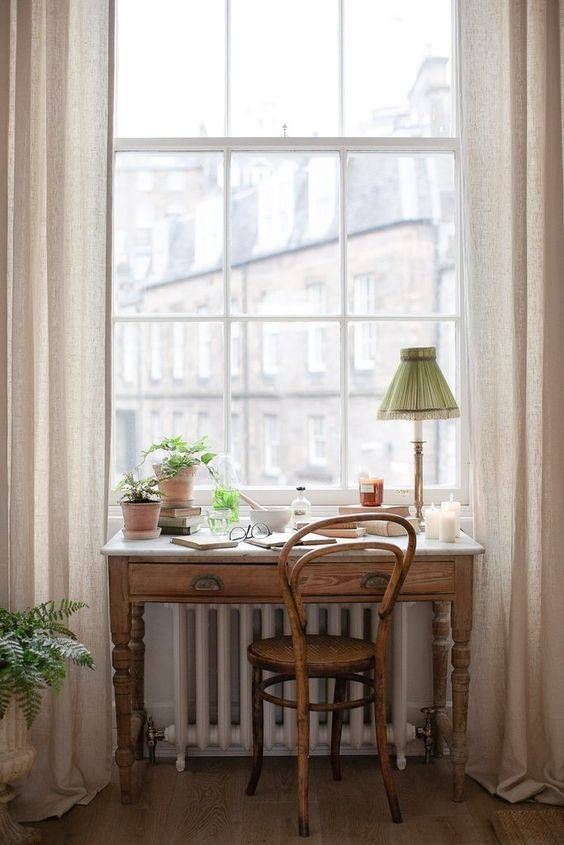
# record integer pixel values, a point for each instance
(418, 390)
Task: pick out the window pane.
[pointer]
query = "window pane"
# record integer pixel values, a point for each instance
(285, 404)
(284, 67)
(284, 233)
(397, 58)
(401, 240)
(165, 387)
(170, 68)
(168, 235)
(384, 447)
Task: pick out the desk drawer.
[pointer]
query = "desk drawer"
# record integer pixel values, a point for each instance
(260, 581)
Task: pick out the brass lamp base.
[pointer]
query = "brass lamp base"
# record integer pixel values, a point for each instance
(418, 480)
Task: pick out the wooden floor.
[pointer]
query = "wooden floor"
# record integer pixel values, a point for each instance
(207, 803)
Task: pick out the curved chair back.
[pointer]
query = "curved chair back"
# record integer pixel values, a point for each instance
(291, 568)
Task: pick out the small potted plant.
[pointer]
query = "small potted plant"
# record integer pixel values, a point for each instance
(176, 474)
(35, 645)
(141, 507)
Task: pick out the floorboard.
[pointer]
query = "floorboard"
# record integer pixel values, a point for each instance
(207, 804)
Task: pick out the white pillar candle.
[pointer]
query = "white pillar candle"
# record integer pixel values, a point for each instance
(455, 508)
(432, 516)
(447, 527)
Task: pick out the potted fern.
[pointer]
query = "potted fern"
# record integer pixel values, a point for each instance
(176, 473)
(35, 646)
(141, 507)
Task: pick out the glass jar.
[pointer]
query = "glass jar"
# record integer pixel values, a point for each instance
(225, 494)
(218, 520)
(300, 508)
(371, 491)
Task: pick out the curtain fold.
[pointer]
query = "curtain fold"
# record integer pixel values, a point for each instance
(54, 246)
(511, 77)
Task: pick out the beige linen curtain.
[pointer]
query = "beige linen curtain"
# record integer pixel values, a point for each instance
(54, 122)
(511, 73)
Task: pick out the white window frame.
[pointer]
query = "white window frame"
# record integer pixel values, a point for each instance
(343, 146)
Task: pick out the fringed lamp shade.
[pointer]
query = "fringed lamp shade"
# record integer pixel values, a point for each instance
(418, 390)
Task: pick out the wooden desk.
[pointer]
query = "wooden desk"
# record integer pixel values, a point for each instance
(158, 571)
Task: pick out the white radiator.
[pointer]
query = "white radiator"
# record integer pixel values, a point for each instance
(212, 681)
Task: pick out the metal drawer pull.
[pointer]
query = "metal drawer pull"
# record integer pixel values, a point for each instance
(207, 582)
(372, 579)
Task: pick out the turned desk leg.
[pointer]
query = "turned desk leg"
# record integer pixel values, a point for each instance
(461, 619)
(441, 629)
(137, 646)
(120, 621)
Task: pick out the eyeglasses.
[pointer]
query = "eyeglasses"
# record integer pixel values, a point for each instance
(259, 529)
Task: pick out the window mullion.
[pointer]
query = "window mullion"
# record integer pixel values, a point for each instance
(226, 301)
(344, 326)
(341, 69)
(227, 69)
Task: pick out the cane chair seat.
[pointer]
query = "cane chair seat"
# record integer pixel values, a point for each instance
(325, 654)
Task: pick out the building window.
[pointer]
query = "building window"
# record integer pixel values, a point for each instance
(316, 296)
(178, 350)
(271, 447)
(270, 349)
(317, 441)
(202, 424)
(309, 220)
(275, 218)
(178, 423)
(156, 351)
(364, 332)
(236, 349)
(204, 346)
(156, 428)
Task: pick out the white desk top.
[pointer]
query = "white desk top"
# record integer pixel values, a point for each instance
(161, 547)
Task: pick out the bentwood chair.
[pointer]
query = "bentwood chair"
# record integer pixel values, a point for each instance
(303, 656)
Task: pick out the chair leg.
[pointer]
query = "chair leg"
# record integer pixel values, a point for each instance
(302, 714)
(382, 743)
(336, 729)
(258, 722)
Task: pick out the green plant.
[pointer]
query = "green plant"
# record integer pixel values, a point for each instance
(34, 648)
(181, 454)
(137, 491)
(226, 498)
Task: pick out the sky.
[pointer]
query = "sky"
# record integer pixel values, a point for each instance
(284, 63)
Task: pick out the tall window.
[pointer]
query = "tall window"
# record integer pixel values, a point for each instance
(280, 234)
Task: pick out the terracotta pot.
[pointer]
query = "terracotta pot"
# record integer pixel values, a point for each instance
(141, 516)
(16, 759)
(177, 492)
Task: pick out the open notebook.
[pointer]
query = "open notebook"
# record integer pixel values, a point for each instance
(276, 541)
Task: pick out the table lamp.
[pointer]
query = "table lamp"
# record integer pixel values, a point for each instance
(418, 391)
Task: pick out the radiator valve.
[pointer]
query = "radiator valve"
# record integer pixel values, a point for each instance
(426, 733)
(152, 736)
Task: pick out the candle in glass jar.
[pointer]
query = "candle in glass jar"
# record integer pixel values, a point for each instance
(432, 516)
(455, 508)
(371, 491)
(447, 526)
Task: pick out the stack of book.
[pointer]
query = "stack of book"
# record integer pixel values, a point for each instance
(381, 527)
(180, 521)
